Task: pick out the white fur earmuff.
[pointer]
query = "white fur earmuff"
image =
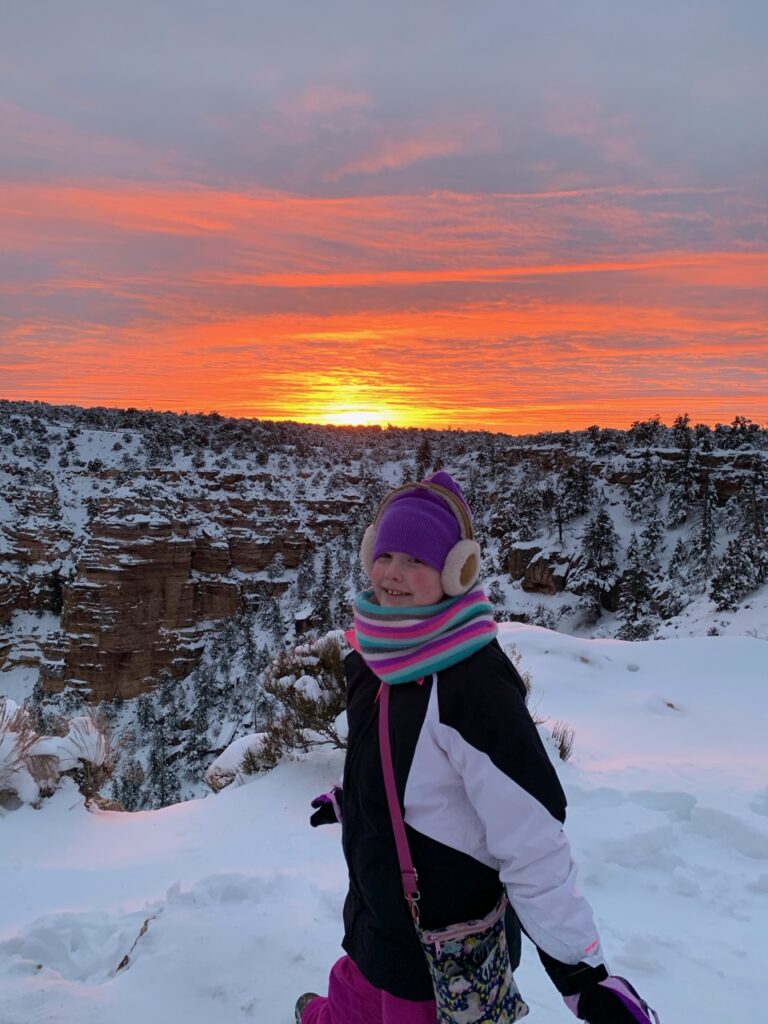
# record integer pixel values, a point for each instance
(462, 568)
(366, 549)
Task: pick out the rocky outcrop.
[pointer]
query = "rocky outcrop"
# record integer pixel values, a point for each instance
(547, 573)
(541, 572)
(518, 560)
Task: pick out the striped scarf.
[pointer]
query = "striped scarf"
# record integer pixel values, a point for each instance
(403, 644)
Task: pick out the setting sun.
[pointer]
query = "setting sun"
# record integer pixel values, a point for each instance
(358, 416)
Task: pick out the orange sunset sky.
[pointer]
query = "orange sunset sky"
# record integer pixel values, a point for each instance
(501, 216)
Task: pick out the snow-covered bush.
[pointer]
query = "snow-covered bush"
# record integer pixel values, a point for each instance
(308, 696)
(242, 754)
(84, 752)
(26, 773)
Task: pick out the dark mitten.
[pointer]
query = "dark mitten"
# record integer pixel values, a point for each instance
(327, 808)
(612, 1001)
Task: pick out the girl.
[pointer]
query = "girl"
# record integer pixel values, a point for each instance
(482, 804)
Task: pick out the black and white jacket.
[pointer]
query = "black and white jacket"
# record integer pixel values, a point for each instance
(483, 807)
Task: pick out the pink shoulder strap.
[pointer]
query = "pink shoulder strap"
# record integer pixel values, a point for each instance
(408, 873)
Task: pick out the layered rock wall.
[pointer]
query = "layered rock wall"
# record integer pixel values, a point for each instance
(150, 575)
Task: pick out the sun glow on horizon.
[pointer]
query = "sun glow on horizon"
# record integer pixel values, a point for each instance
(360, 416)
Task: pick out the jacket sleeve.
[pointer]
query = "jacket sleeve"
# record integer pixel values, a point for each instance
(490, 739)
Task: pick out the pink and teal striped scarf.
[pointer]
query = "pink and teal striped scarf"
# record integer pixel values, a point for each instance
(403, 644)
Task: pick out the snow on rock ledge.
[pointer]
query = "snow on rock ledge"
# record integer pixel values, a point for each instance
(226, 768)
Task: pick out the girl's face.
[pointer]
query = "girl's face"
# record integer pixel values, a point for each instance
(402, 581)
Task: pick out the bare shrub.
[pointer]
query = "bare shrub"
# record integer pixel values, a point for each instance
(44, 769)
(90, 743)
(17, 740)
(516, 658)
(563, 735)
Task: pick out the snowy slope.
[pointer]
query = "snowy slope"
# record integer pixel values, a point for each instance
(668, 791)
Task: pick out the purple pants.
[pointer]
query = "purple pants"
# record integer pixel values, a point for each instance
(353, 1000)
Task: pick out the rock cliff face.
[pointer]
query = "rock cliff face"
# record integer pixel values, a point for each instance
(157, 562)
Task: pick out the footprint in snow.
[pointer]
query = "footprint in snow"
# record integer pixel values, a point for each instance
(84, 947)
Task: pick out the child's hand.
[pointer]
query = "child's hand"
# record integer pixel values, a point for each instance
(611, 1001)
(327, 808)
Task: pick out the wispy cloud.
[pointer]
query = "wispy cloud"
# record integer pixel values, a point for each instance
(551, 220)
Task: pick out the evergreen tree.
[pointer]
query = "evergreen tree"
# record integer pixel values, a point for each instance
(163, 781)
(271, 618)
(127, 787)
(682, 434)
(580, 486)
(249, 647)
(423, 457)
(634, 611)
(678, 563)
(204, 688)
(528, 510)
(646, 433)
(360, 580)
(145, 712)
(566, 493)
(704, 533)
(276, 568)
(167, 701)
(323, 596)
(651, 542)
(742, 569)
(196, 741)
(305, 576)
(684, 478)
(643, 494)
(595, 573)
(752, 504)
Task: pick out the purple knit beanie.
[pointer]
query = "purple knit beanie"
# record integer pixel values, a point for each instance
(421, 523)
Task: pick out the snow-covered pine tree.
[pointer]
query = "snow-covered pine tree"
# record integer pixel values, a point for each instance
(168, 702)
(276, 567)
(163, 781)
(704, 533)
(563, 496)
(643, 494)
(652, 541)
(196, 739)
(678, 563)
(634, 611)
(322, 596)
(682, 434)
(145, 712)
(739, 573)
(423, 457)
(580, 485)
(305, 576)
(684, 478)
(527, 509)
(127, 788)
(596, 571)
(271, 618)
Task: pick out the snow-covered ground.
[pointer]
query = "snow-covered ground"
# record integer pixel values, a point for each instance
(225, 909)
